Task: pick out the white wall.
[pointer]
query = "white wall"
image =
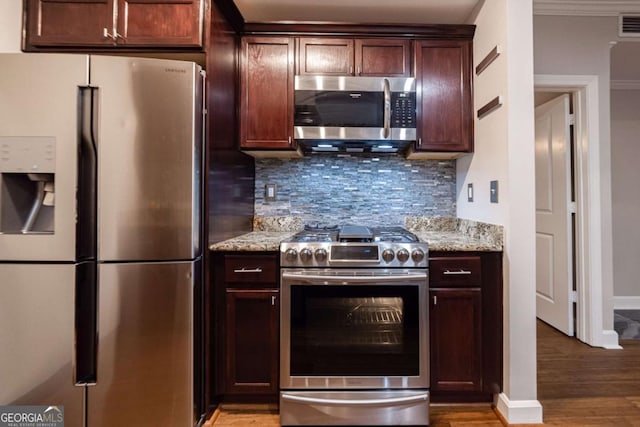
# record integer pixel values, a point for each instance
(504, 151)
(625, 178)
(10, 25)
(581, 46)
(625, 175)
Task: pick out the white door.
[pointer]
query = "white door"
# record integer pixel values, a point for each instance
(554, 272)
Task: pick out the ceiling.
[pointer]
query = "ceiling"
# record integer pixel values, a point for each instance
(359, 11)
(411, 11)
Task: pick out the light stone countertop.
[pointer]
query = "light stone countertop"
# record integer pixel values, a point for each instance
(455, 241)
(437, 240)
(254, 241)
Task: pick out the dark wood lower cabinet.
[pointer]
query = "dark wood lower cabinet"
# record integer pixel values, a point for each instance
(465, 303)
(252, 340)
(246, 326)
(465, 292)
(456, 347)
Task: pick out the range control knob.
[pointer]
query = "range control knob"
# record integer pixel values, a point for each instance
(291, 254)
(403, 255)
(388, 255)
(417, 255)
(321, 255)
(306, 255)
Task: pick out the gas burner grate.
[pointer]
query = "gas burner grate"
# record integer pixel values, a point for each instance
(313, 237)
(394, 235)
(317, 226)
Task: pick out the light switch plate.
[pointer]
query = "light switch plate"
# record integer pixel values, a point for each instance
(270, 192)
(470, 192)
(493, 191)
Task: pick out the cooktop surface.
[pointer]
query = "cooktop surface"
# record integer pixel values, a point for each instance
(316, 232)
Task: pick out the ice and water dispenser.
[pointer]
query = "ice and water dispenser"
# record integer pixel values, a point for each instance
(27, 185)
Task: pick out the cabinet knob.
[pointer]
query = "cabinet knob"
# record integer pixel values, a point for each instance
(273, 300)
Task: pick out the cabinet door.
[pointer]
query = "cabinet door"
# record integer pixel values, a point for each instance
(325, 56)
(163, 23)
(252, 340)
(80, 23)
(383, 57)
(69, 22)
(455, 344)
(266, 93)
(443, 82)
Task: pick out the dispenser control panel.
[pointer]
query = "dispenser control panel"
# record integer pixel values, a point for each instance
(27, 154)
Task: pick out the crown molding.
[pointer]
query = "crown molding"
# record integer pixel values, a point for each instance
(585, 7)
(625, 84)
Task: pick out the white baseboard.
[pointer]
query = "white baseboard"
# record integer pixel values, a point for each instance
(610, 340)
(519, 411)
(626, 303)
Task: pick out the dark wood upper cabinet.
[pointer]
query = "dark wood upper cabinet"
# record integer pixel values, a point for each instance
(443, 82)
(69, 23)
(160, 23)
(325, 56)
(383, 57)
(113, 23)
(348, 57)
(266, 93)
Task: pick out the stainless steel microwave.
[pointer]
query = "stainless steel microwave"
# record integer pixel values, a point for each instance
(367, 110)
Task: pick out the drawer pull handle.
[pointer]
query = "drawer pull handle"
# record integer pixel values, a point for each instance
(248, 270)
(460, 272)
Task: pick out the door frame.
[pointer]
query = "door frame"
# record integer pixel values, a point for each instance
(588, 235)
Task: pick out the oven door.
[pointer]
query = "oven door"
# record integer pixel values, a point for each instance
(354, 329)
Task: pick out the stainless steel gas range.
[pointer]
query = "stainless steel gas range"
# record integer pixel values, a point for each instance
(354, 346)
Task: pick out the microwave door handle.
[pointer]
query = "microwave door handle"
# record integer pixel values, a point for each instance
(387, 109)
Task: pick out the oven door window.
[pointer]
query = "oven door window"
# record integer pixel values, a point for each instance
(339, 108)
(354, 331)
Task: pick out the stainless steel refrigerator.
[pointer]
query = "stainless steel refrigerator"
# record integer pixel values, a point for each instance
(101, 238)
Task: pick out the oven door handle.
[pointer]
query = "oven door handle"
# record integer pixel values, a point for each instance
(325, 279)
(356, 402)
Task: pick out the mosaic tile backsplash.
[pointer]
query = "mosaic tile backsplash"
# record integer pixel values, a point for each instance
(365, 190)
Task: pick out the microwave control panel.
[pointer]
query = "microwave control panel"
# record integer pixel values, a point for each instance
(403, 109)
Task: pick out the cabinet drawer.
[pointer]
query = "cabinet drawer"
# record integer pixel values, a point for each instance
(455, 271)
(251, 269)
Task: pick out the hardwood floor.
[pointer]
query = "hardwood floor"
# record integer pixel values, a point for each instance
(583, 386)
(577, 385)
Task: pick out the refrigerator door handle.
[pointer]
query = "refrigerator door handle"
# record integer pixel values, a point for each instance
(87, 170)
(86, 314)
(86, 287)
